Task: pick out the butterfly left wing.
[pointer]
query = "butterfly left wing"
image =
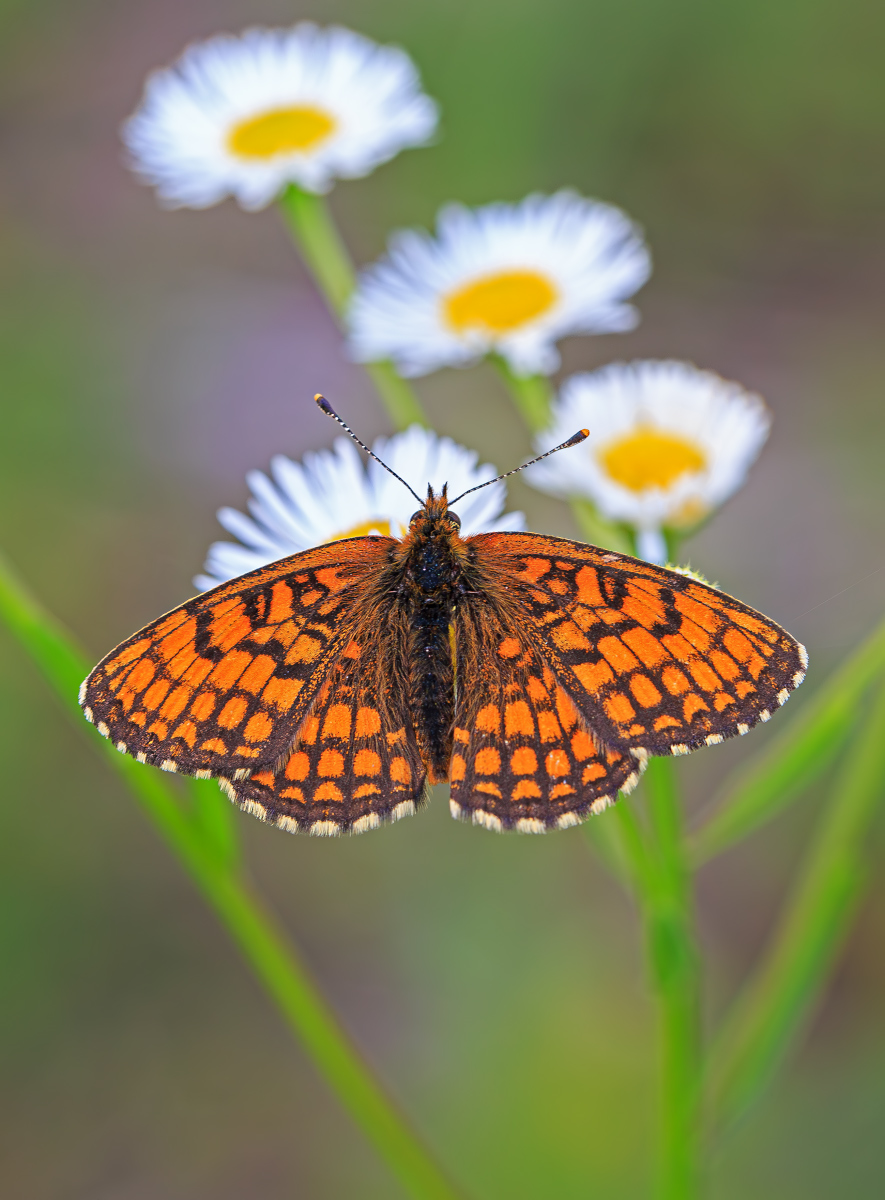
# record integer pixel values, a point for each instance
(356, 761)
(221, 684)
(653, 659)
(523, 758)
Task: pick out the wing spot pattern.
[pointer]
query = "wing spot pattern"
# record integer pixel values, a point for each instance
(557, 763)
(693, 704)
(233, 712)
(518, 719)
(203, 706)
(258, 728)
(488, 719)
(337, 722)
(488, 761)
(368, 722)
(298, 768)
(619, 708)
(644, 691)
(620, 657)
(400, 771)
(187, 730)
(549, 728)
(523, 761)
(366, 762)
(331, 763)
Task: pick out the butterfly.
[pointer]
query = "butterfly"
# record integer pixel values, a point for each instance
(534, 674)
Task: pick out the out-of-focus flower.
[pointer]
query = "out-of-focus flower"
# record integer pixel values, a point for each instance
(244, 116)
(333, 495)
(668, 443)
(506, 278)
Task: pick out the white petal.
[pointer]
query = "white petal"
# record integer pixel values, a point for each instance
(727, 425)
(590, 253)
(178, 138)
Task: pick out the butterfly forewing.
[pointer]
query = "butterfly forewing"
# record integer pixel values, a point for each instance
(221, 684)
(653, 659)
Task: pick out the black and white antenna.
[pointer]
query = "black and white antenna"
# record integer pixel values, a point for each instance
(574, 440)
(327, 408)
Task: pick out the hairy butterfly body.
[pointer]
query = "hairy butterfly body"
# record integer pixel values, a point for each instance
(534, 674)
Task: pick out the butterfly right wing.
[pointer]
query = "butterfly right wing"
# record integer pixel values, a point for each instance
(221, 684)
(523, 758)
(655, 660)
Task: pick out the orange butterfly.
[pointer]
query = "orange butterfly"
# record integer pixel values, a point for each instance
(534, 674)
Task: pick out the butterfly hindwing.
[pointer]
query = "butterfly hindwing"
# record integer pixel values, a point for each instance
(654, 659)
(221, 684)
(523, 757)
(356, 760)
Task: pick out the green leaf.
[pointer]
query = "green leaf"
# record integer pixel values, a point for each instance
(600, 532)
(768, 1016)
(796, 757)
(215, 816)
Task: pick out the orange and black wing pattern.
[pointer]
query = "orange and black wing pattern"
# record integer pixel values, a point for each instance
(654, 660)
(356, 760)
(523, 757)
(221, 685)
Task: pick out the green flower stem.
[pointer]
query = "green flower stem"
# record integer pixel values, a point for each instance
(597, 530)
(795, 757)
(769, 1014)
(314, 232)
(675, 968)
(212, 865)
(532, 394)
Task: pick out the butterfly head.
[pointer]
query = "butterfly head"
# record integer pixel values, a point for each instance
(435, 516)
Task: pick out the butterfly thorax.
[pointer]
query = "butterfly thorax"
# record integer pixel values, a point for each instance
(430, 561)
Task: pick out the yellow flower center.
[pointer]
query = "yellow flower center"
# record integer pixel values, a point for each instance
(281, 131)
(647, 458)
(363, 530)
(500, 302)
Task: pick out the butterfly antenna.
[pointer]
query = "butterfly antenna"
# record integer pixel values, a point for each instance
(327, 408)
(574, 440)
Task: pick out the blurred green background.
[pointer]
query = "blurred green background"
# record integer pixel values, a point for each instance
(149, 359)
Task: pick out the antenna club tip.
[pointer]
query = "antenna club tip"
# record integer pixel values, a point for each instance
(324, 404)
(577, 438)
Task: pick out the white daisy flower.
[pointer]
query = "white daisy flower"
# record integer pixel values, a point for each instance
(668, 443)
(508, 278)
(333, 495)
(244, 116)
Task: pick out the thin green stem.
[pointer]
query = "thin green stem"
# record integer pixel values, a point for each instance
(795, 757)
(214, 867)
(532, 394)
(675, 969)
(776, 1002)
(314, 232)
(597, 530)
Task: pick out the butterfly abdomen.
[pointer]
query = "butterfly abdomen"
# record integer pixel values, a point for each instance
(430, 586)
